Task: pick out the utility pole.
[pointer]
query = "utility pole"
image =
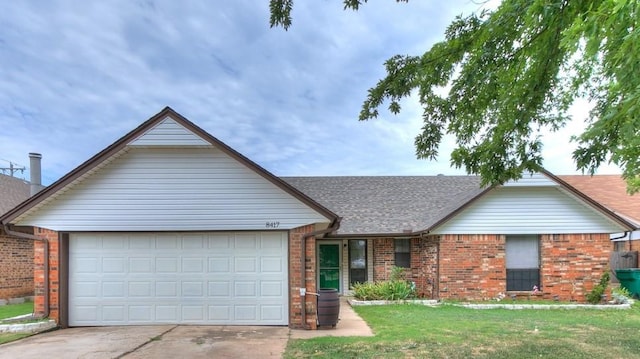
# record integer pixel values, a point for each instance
(12, 169)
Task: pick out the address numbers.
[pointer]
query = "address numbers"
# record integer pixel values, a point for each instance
(272, 224)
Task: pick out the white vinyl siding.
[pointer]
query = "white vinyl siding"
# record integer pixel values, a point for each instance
(169, 133)
(528, 210)
(173, 189)
(532, 180)
(178, 278)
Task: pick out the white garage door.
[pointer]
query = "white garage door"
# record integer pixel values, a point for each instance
(190, 278)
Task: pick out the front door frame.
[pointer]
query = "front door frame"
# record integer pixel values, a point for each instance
(338, 243)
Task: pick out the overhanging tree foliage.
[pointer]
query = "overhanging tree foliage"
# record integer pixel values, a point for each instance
(515, 71)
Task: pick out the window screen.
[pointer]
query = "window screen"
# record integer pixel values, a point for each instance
(522, 252)
(523, 262)
(403, 253)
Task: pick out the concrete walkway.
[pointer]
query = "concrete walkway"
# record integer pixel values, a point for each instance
(349, 325)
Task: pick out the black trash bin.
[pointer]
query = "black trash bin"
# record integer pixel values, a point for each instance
(328, 307)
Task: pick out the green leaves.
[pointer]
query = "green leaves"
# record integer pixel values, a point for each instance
(281, 11)
(512, 73)
(515, 71)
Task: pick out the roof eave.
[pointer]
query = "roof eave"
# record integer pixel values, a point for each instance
(121, 144)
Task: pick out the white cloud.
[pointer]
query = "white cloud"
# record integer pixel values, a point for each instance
(82, 74)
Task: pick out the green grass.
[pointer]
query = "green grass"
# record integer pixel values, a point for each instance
(10, 311)
(13, 310)
(9, 337)
(413, 331)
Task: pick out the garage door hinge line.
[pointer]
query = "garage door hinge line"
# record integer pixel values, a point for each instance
(45, 243)
(152, 339)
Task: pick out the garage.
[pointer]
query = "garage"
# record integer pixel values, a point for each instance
(169, 225)
(217, 278)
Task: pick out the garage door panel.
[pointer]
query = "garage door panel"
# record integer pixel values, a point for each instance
(219, 265)
(208, 278)
(220, 289)
(219, 313)
(166, 289)
(140, 265)
(245, 265)
(166, 265)
(271, 289)
(113, 313)
(167, 313)
(271, 265)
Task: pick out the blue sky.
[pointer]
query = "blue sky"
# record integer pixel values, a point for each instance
(77, 75)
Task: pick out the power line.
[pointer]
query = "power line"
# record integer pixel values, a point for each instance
(13, 168)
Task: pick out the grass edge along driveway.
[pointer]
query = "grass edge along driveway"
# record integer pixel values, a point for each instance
(414, 331)
(10, 311)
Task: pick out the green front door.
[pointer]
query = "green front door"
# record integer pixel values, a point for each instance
(329, 265)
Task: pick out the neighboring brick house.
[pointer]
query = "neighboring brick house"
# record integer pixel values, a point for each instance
(611, 192)
(16, 255)
(170, 225)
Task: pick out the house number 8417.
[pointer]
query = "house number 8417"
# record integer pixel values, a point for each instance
(273, 224)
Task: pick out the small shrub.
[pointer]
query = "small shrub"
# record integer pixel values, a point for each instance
(595, 296)
(397, 288)
(397, 274)
(621, 295)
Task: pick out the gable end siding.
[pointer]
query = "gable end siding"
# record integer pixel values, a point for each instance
(528, 210)
(172, 189)
(169, 133)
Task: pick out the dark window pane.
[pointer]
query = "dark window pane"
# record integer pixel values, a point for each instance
(357, 261)
(403, 260)
(402, 248)
(523, 279)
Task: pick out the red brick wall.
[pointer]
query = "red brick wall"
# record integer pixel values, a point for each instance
(383, 258)
(424, 259)
(473, 267)
(16, 267)
(424, 266)
(38, 260)
(295, 277)
(573, 263)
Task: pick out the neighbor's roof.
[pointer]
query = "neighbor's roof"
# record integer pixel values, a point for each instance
(12, 192)
(389, 204)
(608, 190)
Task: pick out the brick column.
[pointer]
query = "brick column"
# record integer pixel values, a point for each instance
(38, 275)
(296, 273)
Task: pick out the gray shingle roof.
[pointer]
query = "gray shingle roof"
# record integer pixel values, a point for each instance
(12, 192)
(388, 204)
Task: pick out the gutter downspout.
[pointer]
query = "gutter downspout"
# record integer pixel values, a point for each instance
(303, 260)
(45, 243)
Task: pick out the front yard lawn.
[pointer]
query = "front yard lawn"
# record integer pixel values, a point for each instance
(13, 310)
(414, 331)
(10, 311)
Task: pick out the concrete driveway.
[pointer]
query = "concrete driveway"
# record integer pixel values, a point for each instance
(169, 341)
